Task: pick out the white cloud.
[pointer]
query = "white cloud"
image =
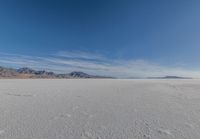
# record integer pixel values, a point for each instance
(64, 62)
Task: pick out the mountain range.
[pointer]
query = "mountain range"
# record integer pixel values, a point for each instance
(25, 73)
(31, 73)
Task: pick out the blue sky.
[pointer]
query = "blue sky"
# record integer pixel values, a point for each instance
(123, 38)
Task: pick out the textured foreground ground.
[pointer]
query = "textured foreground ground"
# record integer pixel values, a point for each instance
(99, 109)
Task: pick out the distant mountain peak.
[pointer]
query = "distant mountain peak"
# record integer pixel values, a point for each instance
(25, 70)
(79, 74)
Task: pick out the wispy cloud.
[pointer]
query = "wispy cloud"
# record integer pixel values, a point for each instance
(64, 62)
(79, 55)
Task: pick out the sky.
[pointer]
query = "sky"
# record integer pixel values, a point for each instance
(121, 38)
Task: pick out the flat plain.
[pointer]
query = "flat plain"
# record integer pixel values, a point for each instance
(99, 109)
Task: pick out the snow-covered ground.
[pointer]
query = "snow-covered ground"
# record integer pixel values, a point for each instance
(99, 109)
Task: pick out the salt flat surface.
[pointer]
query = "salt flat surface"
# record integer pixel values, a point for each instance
(99, 109)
